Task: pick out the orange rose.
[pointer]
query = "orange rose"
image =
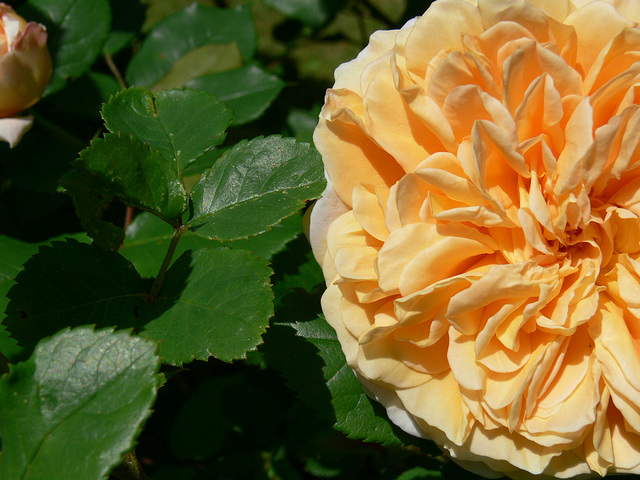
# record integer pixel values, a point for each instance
(480, 234)
(25, 69)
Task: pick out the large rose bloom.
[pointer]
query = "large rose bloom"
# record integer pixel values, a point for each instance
(480, 235)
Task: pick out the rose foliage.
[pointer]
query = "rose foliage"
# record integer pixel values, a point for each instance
(480, 235)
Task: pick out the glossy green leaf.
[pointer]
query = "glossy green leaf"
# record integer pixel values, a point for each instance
(187, 30)
(314, 13)
(147, 240)
(214, 302)
(77, 30)
(254, 186)
(247, 90)
(74, 408)
(323, 381)
(124, 168)
(71, 284)
(180, 124)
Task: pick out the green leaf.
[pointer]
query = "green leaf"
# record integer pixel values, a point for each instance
(313, 13)
(247, 90)
(75, 407)
(214, 302)
(187, 30)
(303, 122)
(147, 240)
(127, 169)
(72, 284)
(180, 124)
(309, 356)
(13, 254)
(419, 473)
(201, 61)
(254, 186)
(77, 31)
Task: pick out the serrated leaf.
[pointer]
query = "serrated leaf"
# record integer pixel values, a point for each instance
(247, 90)
(72, 284)
(313, 13)
(180, 124)
(201, 61)
(310, 358)
(147, 240)
(214, 302)
(182, 32)
(124, 168)
(75, 407)
(77, 30)
(254, 186)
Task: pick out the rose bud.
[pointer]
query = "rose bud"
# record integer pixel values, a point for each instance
(25, 69)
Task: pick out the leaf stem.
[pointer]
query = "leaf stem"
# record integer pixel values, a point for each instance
(114, 70)
(157, 284)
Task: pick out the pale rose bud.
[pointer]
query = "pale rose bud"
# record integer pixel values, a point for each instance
(25, 69)
(480, 231)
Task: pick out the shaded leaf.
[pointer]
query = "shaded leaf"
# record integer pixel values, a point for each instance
(127, 18)
(254, 186)
(71, 284)
(180, 124)
(323, 380)
(201, 61)
(313, 13)
(147, 240)
(214, 302)
(77, 30)
(187, 30)
(124, 168)
(75, 407)
(247, 90)
(13, 254)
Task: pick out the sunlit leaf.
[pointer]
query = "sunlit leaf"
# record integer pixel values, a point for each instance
(254, 186)
(124, 168)
(180, 124)
(214, 302)
(74, 408)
